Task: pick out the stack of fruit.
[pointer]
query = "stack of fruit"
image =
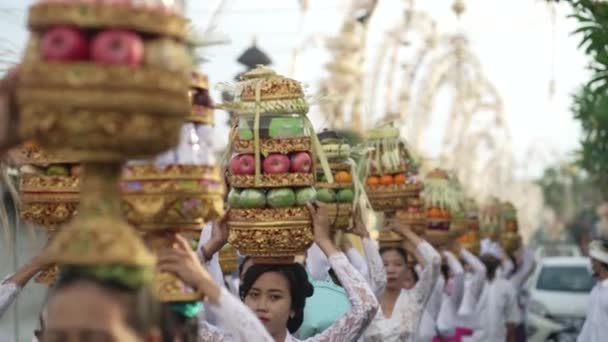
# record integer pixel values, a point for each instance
(490, 219)
(391, 173)
(509, 237)
(391, 177)
(106, 80)
(471, 239)
(272, 169)
(340, 195)
(441, 200)
(48, 191)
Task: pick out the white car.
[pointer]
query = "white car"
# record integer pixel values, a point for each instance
(557, 250)
(558, 297)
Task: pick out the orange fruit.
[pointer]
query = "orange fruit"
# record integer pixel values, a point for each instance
(386, 180)
(343, 177)
(373, 180)
(399, 179)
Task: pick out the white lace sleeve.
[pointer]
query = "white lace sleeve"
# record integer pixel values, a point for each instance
(457, 290)
(377, 273)
(8, 293)
(478, 280)
(429, 273)
(317, 263)
(363, 304)
(240, 323)
(358, 261)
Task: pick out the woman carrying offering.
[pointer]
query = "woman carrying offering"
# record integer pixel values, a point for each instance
(403, 302)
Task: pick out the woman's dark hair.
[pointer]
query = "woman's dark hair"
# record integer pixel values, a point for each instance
(174, 324)
(140, 307)
(491, 262)
(410, 266)
(242, 265)
(399, 250)
(300, 288)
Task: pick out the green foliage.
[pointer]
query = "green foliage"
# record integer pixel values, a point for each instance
(590, 103)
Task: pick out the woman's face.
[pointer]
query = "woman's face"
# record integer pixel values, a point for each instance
(270, 299)
(85, 312)
(396, 269)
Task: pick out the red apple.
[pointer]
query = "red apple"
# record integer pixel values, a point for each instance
(64, 43)
(301, 162)
(117, 47)
(276, 163)
(242, 164)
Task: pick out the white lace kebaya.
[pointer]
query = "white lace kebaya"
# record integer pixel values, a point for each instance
(402, 325)
(348, 328)
(8, 293)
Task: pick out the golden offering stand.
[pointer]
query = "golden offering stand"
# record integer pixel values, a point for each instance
(391, 182)
(49, 190)
(441, 201)
(269, 220)
(509, 235)
(471, 240)
(104, 113)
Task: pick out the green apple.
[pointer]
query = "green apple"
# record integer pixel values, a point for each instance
(57, 170)
(285, 128)
(345, 196)
(252, 198)
(326, 195)
(281, 198)
(234, 198)
(306, 195)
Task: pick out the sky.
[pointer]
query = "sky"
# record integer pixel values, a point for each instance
(512, 39)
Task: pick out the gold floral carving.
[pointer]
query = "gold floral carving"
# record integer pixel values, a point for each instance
(167, 286)
(48, 214)
(35, 183)
(31, 154)
(145, 88)
(165, 210)
(268, 146)
(340, 215)
(387, 202)
(295, 214)
(110, 135)
(99, 239)
(173, 172)
(44, 15)
(388, 238)
(273, 180)
(228, 260)
(272, 88)
(270, 232)
(280, 240)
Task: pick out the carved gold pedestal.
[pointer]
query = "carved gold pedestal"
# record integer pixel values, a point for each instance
(271, 235)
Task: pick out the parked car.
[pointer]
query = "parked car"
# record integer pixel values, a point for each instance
(557, 250)
(558, 297)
